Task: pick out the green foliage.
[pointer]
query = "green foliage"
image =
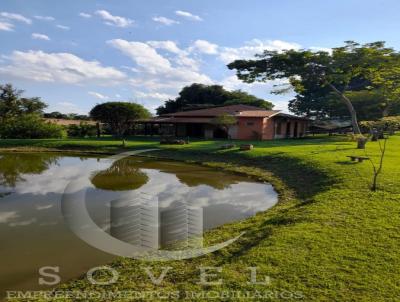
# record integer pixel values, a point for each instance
(12, 104)
(121, 176)
(224, 120)
(20, 117)
(82, 130)
(388, 123)
(30, 126)
(68, 116)
(198, 96)
(321, 79)
(119, 115)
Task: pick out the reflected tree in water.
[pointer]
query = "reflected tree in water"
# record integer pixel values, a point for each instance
(121, 176)
(14, 166)
(191, 175)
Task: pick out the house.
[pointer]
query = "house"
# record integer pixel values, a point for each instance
(251, 123)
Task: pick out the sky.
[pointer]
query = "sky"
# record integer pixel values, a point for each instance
(75, 54)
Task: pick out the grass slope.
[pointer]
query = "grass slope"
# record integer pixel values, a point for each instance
(328, 239)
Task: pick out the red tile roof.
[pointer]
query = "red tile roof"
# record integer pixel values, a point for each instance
(235, 110)
(196, 120)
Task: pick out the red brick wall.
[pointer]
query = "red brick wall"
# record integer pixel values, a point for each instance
(249, 127)
(269, 128)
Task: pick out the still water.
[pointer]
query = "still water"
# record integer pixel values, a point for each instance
(34, 234)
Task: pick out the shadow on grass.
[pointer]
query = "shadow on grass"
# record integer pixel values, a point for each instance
(346, 163)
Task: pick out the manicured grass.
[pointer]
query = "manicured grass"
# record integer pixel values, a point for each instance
(329, 238)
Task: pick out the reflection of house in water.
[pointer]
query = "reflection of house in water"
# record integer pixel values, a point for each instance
(141, 222)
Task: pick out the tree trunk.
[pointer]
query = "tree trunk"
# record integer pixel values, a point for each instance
(385, 111)
(356, 128)
(98, 130)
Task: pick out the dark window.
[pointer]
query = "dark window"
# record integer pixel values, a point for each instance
(279, 128)
(250, 124)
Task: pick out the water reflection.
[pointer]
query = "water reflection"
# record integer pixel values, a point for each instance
(121, 176)
(13, 165)
(32, 230)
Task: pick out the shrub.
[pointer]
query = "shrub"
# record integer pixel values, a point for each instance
(82, 130)
(385, 124)
(30, 126)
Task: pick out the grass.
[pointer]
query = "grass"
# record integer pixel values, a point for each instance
(330, 238)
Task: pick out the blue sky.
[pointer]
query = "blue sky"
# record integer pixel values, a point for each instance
(81, 53)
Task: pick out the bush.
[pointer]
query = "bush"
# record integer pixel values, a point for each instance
(30, 126)
(385, 124)
(82, 130)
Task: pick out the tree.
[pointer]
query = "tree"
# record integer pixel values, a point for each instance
(224, 121)
(30, 126)
(14, 166)
(316, 75)
(121, 176)
(20, 117)
(385, 78)
(12, 104)
(120, 116)
(67, 116)
(197, 96)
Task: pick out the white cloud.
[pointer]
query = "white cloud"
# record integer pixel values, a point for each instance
(37, 36)
(154, 95)
(16, 17)
(165, 20)
(317, 48)
(98, 95)
(206, 47)
(59, 67)
(6, 26)
(188, 15)
(44, 207)
(159, 77)
(182, 56)
(167, 45)
(23, 222)
(44, 18)
(144, 55)
(85, 15)
(5, 217)
(114, 20)
(255, 46)
(63, 27)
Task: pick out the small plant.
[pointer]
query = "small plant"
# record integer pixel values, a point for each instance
(377, 168)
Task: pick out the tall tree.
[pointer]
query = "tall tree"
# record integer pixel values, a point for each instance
(119, 115)
(315, 75)
(198, 96)
(12, 104)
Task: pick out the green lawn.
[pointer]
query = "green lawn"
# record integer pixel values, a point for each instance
(329, 238)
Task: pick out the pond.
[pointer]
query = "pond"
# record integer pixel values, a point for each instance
(34, 233)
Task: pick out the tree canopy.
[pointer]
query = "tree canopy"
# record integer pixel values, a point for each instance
(198, 96)
(13, 104)
(21, 117)
(66, 116)
(321, 78)
(119, 115)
